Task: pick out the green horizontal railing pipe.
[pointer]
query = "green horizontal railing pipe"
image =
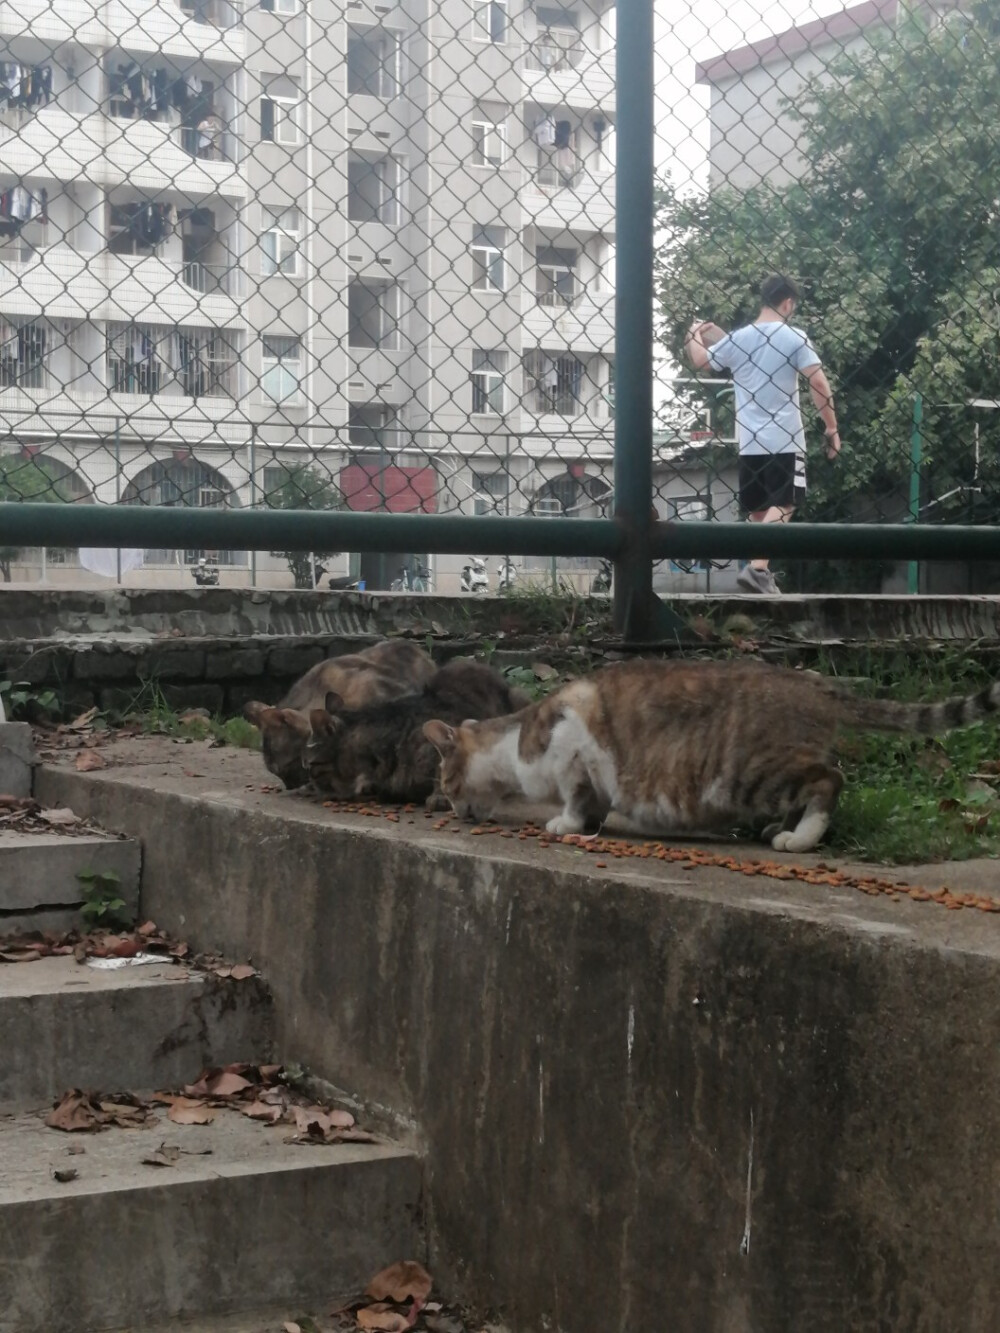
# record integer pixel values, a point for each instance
(828, 541)
(32, 524)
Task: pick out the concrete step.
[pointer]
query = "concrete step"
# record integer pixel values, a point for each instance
(255, 1223)
(64, 1024)
(39, 888)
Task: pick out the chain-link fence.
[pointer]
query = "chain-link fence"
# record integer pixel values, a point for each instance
(312, 254)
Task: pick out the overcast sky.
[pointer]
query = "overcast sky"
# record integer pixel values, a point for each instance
(692, 30)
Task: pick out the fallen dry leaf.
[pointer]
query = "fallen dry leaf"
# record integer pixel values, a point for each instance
(242, 971)
(190, 1113)
(259, 1110)
(89, 760)
(76, 1113)
(402, 1281)
(164, 1155)
(289, 1327)
(384, 1319)
(61, 815)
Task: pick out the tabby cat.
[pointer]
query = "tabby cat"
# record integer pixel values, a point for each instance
(380, 750)
(384, 671)
(681, 746)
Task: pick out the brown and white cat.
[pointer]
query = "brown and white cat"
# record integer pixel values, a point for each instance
(383, 671)
(681, 746)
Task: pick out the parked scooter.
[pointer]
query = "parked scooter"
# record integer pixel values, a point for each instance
(475, 579)
(204, 574)
(602, 579)
(342, 584)
(506, 575)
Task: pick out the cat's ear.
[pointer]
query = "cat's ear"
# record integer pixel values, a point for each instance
(334, 702)
(322, 723)
(253, 711)
(292, 718)
(440, 735)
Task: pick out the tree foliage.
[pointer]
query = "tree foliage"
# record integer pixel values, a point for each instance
(891, 225)
(303, 487)
(32, 481)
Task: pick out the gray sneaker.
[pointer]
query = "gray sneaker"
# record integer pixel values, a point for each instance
(759, 581)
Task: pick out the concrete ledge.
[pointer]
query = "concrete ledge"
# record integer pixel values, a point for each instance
(645, 1095)
(39, 884)
(17, 758)
(135, 1028)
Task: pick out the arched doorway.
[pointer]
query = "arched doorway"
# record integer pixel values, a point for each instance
(187, 482)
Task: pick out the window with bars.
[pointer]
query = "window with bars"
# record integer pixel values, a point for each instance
(374, 59)
(555, 275)
(489, 21)
(281, 367)
(491, 492)
(280, 241)
(488, 265)
(488, 371)
(373, 314)
(374, 187)
(281, 112)
(555, 383)
(489, 135)
(149, 359)
(23, 350)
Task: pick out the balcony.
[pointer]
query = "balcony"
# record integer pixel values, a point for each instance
(194, 30)
(70, 285)
(580, 201)
(55, 145)
(586, 323)
(568, 73)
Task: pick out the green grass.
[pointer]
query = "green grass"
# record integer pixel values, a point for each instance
(910, 799)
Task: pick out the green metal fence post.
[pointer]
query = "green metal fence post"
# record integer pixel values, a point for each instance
(633, 409)
(916, 455)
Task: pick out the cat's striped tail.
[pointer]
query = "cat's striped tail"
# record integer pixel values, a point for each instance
(927, 719)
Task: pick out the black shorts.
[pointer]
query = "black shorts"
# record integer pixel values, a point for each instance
(771, 479)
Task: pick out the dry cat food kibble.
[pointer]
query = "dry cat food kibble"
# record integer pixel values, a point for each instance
(692, 857)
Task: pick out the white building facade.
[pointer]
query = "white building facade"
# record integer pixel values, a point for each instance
(376, 241)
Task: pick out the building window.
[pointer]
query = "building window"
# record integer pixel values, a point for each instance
(373, 315)
(280, 241)
(555, 275)
(373, 62)
(149, 359)
(281, 112)
(488, 266)
(491, 491)
(283, 7)
(556, 383)
(206, 364)
(373, 428)
(23, 347)
(489, 22)
(488, 371)
(489, 136)
(281, 367)
(557, 46)
(139, 229)
(374, 186)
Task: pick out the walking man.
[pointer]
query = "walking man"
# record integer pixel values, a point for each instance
(765, 359)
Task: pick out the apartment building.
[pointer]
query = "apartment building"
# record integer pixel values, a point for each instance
(374, 240)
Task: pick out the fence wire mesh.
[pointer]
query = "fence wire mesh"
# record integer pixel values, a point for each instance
(318, 254)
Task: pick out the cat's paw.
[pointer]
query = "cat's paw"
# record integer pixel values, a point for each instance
(563, 824)
(770, 832)
(791, 840)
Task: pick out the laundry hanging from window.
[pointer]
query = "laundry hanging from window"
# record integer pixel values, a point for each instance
(150, 93)
(19, 205)
(25, 86)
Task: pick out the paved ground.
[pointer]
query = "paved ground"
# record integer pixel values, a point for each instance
(237, 777)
